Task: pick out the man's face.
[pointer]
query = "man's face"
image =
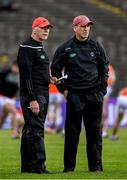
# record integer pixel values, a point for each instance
(42, 33)
(82, 32)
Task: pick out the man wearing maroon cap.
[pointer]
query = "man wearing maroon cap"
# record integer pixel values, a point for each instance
(33, 65)
(84, 61)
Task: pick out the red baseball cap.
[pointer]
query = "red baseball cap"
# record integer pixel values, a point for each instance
(41, 22)
(81, 20)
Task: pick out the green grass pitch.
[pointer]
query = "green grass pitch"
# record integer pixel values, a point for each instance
(114, 158)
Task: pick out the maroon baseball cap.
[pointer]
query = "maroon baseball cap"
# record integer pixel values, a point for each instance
(82, 20)
(41, 22)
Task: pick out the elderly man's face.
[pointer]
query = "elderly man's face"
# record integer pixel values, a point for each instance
(42, 33)
(82, 32)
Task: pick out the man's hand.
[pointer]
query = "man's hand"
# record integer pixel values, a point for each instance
(34, 106)
(53, 80)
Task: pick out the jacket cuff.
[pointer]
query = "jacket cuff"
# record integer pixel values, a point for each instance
(32, 97)
(104, 88)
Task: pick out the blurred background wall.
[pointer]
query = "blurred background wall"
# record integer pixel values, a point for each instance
(110, 28)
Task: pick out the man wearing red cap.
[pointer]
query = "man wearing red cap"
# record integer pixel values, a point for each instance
(33, 65)
(84, 61)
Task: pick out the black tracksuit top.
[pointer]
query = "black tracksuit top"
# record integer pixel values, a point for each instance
(34, 69)
(85, 63)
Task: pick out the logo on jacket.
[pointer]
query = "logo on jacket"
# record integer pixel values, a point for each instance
(42, 56)
(72, 55)
(92, 54)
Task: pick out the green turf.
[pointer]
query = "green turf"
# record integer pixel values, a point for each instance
(114, 158)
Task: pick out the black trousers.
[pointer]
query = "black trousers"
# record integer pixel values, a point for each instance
(89, 109)
(33, 153)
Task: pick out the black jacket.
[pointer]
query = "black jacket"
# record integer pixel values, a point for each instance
(34, 69)
(85, 63)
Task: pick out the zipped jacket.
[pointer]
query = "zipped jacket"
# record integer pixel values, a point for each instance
(85, 63)
(33, 65)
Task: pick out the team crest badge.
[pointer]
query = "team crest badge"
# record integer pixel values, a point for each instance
(72, 55)
(42, 57)
(92, 54)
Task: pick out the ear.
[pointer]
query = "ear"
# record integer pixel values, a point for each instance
(75, 28)
(34, 30)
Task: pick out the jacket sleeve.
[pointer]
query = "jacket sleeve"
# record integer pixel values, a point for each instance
(103, 64)
(57, 67)
(25, 63)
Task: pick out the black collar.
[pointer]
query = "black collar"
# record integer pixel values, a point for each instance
(80, 42)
